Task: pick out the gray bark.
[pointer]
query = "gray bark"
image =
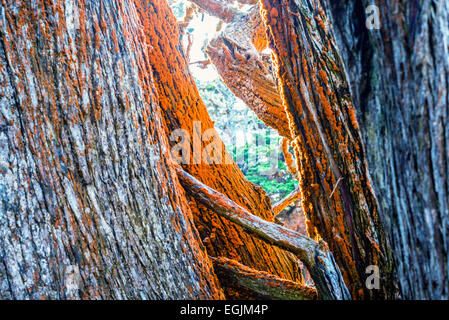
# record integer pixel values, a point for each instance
(90, 206)
(399, 80)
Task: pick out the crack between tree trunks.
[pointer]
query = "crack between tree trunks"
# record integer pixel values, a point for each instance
(315, 255)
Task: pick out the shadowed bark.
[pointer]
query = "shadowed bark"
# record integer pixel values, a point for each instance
(262, 283)
(399, 81)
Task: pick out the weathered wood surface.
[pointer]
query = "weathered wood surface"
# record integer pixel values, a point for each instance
(399, 81)
(237, 53)
(262, 283)
(90, 207)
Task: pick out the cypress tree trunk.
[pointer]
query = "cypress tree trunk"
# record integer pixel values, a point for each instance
(184, 109)
(90, 206)
(337, 197)
(399, 79)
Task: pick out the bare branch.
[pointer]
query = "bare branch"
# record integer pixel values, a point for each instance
(288, 200)
(263, 283)
(201, 63)
(247, 1)
(316, 256)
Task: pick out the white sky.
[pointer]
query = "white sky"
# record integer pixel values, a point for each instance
(205, 28)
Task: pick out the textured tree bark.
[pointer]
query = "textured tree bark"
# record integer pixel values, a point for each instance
(315, 255)
(399, 79)
(90, 206)
(183, 109)
(337, 197)
(262, 283)
(246, 70)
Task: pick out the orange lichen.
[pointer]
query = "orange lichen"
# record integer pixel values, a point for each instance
(353, 118)
(328, 157)
(182, 106)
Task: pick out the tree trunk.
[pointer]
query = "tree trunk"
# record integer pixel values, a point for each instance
(337, 197)
(399, 79)
(92, 92)
(91, 207)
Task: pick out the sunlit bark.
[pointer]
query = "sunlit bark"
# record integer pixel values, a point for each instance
(327, 143)
(183, 108)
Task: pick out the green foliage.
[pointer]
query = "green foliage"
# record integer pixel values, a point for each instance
(253, 158)
(254, 161)
(271, 186)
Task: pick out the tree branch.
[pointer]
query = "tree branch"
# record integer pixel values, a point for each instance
(263, 283)
(284, 203)
(236, 54)
(316, 256)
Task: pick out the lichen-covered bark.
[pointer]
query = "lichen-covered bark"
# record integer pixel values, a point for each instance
(262, 283)
(315, 255)
(90, 207)
(238, 55)
(399, 80)
(336, 194)
(184, 109)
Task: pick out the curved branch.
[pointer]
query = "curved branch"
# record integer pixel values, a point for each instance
(316, 256)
